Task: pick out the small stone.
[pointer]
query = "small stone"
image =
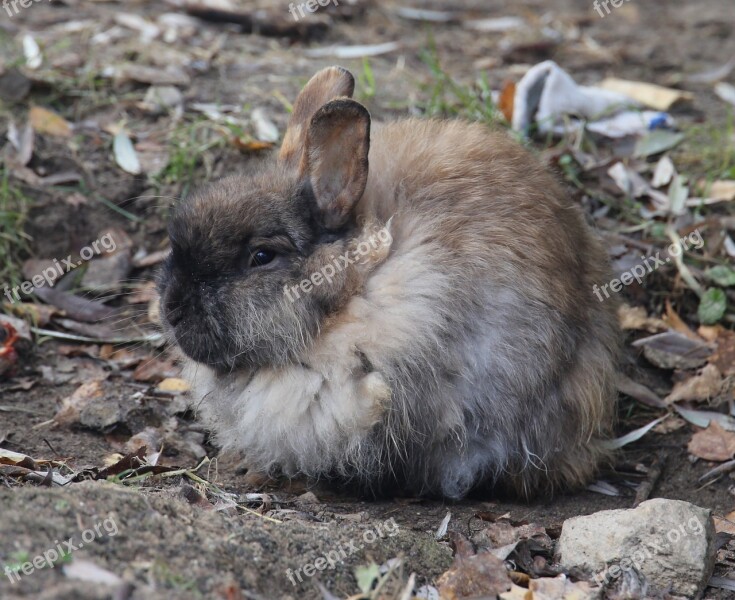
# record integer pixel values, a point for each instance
(670, 542)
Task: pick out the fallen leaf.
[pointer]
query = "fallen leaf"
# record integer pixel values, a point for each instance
(72, 406)
(636, 318)
(673, 350)
(722, 190)
(712, 306)
(32, 52)
(664, 172)
(173, 385)
(703, 418)
(249, 145)
(87, 571)
(48, 122)
(482, 575)
(724, 355)
(358, 51)
(22, 140)
(721, 275)
(673, 320)
(632, 436)
(171, 75)
(265, 129)
(725, 524)
(506, 100)
(366, 577)
(670, 425)
(726, 92)
(714, 443)
(656, 142)
(655, 96)
(639, 392)
(155, 369)
(125, 155)
(704, 386)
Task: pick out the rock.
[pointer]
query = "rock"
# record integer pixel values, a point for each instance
(560, 587)
(670, 542)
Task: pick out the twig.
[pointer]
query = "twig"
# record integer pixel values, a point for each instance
(654, 474)
(153, 337)
(684, 271)
(719, 470)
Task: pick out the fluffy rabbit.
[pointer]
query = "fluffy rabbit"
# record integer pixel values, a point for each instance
(405, 308)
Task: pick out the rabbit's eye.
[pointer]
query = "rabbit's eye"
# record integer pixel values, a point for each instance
(261, 257)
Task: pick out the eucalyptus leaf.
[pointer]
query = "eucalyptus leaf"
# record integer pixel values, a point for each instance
(632, 436)
(125, 155)
(656, 142)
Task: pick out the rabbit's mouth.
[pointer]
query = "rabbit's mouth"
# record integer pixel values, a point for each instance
(201, 343)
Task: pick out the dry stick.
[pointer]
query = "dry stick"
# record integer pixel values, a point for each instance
(719, 470)
(654, 474)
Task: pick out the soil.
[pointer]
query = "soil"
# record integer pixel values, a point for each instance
(170, 544)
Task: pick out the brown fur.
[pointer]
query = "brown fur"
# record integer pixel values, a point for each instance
(468, 351)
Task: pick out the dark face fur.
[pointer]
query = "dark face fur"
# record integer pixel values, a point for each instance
(235, 246)
(239, 243)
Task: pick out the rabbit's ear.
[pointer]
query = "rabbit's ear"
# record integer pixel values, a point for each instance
(326, 85)
(336, 159)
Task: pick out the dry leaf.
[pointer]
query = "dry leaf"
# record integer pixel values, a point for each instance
(482, 575)
(714, 443)
(72, 406)
(655, 96)
(724, 356)
(670, 425)
(722, 190)
(673, 350)
(636, 318)
(638, 391)
(87, 571)
(48, 122)
(507, 98)
(725, 524)
(173, 385)
(125, 155)
(673, 320)
(704, 386)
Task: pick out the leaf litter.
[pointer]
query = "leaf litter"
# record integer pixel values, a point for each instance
(152, 127)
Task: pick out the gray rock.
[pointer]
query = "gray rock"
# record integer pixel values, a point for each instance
(670, 542)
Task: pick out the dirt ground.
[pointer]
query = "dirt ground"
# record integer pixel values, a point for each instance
(173, 539)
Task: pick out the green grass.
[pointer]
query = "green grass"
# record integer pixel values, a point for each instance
(446, 97)
(14, 205)
(188, 144)
(709, 151)
(366, 82)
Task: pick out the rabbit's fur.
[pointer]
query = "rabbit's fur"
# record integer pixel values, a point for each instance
(466, 350)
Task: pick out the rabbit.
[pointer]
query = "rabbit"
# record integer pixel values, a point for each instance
(401, 307)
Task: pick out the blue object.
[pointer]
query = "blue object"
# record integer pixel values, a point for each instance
(660, 121)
